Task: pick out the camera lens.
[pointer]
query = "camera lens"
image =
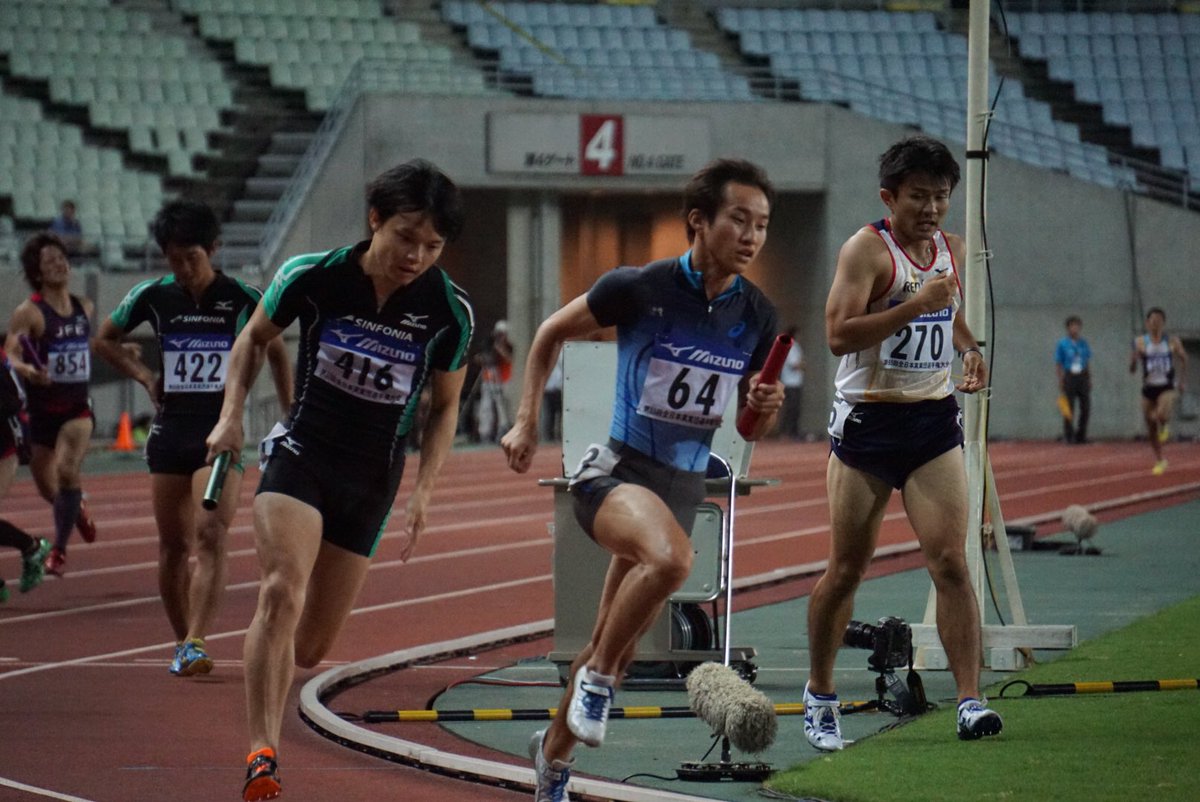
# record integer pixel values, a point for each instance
(860, 635)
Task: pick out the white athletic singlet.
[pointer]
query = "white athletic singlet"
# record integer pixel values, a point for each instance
(1158, 369)
(913, 364)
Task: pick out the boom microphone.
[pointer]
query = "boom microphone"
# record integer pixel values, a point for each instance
(733, 708)
(769, 375)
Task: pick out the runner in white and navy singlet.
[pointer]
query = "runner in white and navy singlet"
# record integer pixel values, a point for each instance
(894, 316)
(1163, 361)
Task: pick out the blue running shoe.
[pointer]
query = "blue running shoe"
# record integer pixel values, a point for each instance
(33, 566)
(191, 659)
(551, 776)
(587, 716)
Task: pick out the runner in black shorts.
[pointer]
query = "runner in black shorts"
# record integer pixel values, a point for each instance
(692, 332)
(33, 550)
(894, 317)
(379, 321)
(57, 326)
(196, 312)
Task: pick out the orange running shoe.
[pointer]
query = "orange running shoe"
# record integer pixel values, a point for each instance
(56, 561)
(262, 776)
(84, 523)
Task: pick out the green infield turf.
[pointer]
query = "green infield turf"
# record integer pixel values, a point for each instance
(1085, 747)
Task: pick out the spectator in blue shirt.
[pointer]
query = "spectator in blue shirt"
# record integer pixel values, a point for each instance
(1071, 358)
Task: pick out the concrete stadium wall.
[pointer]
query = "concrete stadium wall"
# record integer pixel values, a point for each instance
(1060, 246)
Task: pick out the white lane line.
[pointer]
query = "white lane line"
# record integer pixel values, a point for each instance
(42, 792)
(237, 633)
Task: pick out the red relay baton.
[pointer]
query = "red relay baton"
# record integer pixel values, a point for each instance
(769, 375)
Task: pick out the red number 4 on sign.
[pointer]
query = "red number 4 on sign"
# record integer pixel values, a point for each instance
(602, 141)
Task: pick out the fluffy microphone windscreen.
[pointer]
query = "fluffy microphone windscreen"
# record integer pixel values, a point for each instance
(733, 708)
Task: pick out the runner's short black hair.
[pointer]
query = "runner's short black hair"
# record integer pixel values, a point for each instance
(186, 223)
(917, 154)
(418, 186)
(31, 256)
(706, 189)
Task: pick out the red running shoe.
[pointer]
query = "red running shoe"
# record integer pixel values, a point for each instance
(56, 561)
(85, 524)
(262, 776)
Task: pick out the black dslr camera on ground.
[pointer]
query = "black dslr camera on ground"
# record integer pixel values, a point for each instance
(890, 642)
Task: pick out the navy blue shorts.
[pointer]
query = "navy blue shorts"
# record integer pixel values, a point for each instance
(680, 490)
(890, 441)
(1152, 392)
(355, 502)
(45, 426)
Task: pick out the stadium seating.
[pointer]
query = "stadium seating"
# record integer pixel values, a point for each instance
(128, 75)
(1143, 70)
(43, 162)
(312, 45)
(576, 50)
(898, 66)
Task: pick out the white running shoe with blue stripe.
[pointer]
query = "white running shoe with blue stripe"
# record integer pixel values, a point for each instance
(587, 717)
(822, 725)
(551, 776)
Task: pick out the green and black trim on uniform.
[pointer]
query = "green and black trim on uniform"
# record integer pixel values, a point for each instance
(194, 337)
(361, 367)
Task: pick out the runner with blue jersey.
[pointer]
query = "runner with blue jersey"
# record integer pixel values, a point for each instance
(691, 333)
(379, 323)
(196, 312)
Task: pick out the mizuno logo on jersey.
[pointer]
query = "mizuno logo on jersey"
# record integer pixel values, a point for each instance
(677, 350)
(415, 321)
(705, 357)
(198, 343)
(374, 346)
(290, 444)
(223, 306)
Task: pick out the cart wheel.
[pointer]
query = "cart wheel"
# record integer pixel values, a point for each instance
(691, 628)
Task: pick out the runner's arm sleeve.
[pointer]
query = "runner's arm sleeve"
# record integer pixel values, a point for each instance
(615, 297)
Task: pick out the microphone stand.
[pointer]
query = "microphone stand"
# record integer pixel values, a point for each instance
(726, 769)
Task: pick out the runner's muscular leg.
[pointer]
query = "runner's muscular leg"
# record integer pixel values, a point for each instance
(333, 587)
(44, 469)
(211, 531)
(172, 498)
(935, 498)
(857, 502)
(559, 740)
(635, 524)
(70, 448)
(288, 538)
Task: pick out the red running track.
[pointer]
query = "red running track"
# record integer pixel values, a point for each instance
(88, 710)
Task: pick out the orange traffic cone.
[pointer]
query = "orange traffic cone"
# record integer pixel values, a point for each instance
(124, 441)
